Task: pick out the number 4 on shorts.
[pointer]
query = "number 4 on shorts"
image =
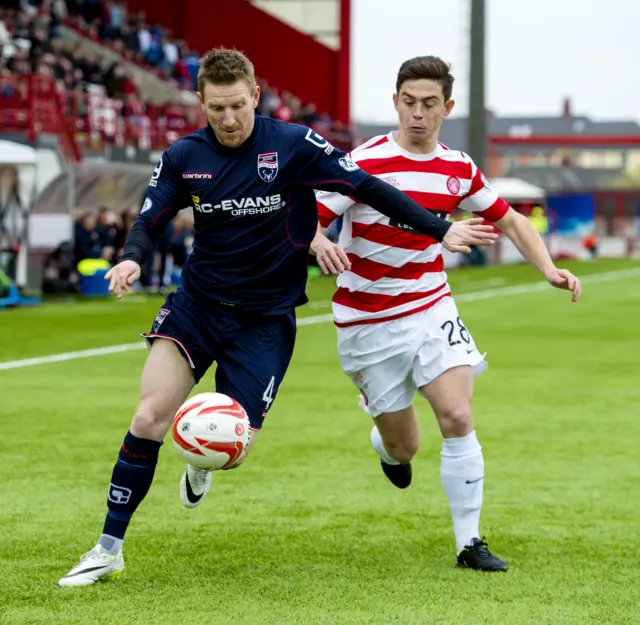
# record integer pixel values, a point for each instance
(267, 396)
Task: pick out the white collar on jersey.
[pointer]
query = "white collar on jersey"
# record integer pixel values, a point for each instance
(412, 155)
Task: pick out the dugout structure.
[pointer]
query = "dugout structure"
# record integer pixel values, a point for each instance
(18, 176)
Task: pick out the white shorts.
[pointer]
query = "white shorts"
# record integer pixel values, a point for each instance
(391, 360)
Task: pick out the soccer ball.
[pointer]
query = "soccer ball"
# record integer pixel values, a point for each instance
(211, 431)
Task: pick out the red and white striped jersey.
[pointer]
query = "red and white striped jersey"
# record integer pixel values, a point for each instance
(396, 271)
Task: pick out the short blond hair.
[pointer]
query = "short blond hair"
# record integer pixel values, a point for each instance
(223, 66)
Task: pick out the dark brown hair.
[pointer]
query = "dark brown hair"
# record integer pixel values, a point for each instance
(222, 66)
(426, 67)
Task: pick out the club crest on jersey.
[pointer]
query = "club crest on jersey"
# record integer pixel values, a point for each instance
(453, 184)
(348, 164)
(268, 166)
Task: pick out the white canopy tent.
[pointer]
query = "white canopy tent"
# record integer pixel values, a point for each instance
(12, 153)
(18, 177)
(515, 190)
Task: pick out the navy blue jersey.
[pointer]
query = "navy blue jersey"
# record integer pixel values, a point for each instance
(254, 207)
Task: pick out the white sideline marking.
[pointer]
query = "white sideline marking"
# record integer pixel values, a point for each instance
(85, 353)
(505, 291)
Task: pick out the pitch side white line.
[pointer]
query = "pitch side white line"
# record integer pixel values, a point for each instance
(505, 291)
(85, 353)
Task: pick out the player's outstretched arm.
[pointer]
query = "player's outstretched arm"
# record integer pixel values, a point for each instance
(328, 169)
(398, 206)
(530, 244)
(162, 194)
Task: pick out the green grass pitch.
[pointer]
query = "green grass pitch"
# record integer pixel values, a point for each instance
(309, 531)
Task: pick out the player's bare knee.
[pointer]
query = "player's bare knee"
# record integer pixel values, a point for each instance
(402, 451)
(455, 421)
(411, 447)
(151, 420)
(403, 455)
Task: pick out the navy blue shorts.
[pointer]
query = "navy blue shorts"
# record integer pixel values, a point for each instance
(252, 351)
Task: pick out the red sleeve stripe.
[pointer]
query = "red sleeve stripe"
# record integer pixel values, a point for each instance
(393, 237)
(372, 270)
(476, 184)
(374, 302)
(495, 212)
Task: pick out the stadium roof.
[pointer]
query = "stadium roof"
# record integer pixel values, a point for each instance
(454, 131)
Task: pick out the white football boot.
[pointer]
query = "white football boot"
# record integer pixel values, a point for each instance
(194, 485)
(94, 565)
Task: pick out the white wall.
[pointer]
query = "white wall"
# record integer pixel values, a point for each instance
(319, 18)
(49, 167)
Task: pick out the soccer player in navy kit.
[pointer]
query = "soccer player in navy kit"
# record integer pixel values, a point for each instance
(251, 182)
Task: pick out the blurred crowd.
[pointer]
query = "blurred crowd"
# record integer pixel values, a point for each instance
(32, 42)
(154, 47)
(102, 235)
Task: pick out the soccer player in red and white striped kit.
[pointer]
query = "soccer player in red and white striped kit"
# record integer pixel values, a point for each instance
(399, 331)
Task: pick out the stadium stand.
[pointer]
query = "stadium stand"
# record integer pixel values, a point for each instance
(83, 70)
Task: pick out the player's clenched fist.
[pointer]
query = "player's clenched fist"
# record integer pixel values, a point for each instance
(122, 276)
(468, 232)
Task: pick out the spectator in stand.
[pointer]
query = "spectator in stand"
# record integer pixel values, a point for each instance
(19, 63)
(91, 70)
(59, 270)
(116, 14)
(5, 37)
(181, 240)
(269, 100)
(40, 44)
(44, 70)
(192, 64)
(106, 229)
(284, 110)
(22, 28)
(170, 49)
(131, 41)
(309, 115)
(86, 238)
(59, 11)
(89, 10)
(117, 83)
(154, 55)
(125, 220)
(163, 243)
(144, 38)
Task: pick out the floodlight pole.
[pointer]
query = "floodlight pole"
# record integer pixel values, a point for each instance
(477, 122)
